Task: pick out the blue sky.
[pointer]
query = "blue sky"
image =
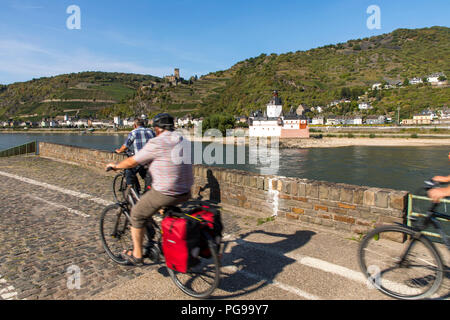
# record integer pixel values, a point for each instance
(197, 36)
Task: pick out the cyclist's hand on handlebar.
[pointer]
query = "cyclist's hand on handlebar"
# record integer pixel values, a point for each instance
(118, 151)
(111, 166)
(437, 194)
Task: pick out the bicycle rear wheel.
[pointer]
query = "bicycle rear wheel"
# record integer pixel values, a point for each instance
(417, 276)
(115, 232)
(201, 280)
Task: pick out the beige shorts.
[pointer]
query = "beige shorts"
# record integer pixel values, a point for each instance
(150, 203)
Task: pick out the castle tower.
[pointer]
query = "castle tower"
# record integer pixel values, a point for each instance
(275, 106)
(177, 74)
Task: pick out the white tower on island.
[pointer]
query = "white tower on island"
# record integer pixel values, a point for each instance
(275, 106)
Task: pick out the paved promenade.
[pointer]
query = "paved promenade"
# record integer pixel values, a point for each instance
(49, 224)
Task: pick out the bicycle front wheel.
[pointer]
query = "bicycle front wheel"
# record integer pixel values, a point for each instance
(115, 232)
(399, 264)
(201, 280)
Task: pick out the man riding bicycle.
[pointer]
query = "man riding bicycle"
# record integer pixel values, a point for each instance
(172, 181)
(136, 140)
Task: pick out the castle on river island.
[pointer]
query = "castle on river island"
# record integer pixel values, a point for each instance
(273, 122)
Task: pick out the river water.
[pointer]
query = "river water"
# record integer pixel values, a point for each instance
(401, 168)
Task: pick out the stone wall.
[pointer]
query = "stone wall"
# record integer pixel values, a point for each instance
(342, 207)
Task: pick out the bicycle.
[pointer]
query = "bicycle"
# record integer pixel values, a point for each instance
(200, 281)
(120, 184)
(401, 261)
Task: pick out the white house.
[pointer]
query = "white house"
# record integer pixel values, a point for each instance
(353, 120)
(317, 121)
(444, 113)
(81, 123)
(434, 78)
(415, 80)
(375, 120)
(377, 86)
(128, 122)
(118, 122)
(365, 106)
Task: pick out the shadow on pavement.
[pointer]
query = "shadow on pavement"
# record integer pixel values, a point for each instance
(252, 268)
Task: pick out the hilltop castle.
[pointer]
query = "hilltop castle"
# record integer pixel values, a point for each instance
(174, 78)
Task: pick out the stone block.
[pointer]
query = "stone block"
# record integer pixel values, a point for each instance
(381, 199)
(347, 195)
(320, 208)
(369, 197)
(260, 183)
(346, 206)
(312, 191)
(358, 196)
(292, 216)
(294, 188)
(345, 219)
(398, 201)
(301, 189)
(323, 191)
(253, 182)
(298, 210)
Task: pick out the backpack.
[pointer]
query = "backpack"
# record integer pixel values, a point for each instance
(182, 243)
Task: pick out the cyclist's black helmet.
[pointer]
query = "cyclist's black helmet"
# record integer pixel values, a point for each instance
(164, 121)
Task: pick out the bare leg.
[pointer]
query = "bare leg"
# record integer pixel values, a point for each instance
(138, 238)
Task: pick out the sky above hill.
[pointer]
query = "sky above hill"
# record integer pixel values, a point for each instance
(44, 38)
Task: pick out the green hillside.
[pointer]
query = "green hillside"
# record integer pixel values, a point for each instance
(88, 92)
(317, 77)
(313, 77)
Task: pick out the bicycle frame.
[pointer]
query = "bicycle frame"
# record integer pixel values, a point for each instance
(431, 218)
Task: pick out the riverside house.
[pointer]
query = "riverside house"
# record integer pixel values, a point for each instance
(375, 120)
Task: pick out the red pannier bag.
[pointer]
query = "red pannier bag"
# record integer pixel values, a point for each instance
(212, 222)
(179, 237)
(182, 243)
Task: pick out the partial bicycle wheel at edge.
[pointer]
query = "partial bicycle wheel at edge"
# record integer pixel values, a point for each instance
(115, 232)
(201, 280)
(418, 276)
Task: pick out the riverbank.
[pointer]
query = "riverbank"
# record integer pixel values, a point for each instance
(336, 142)
(366, 142)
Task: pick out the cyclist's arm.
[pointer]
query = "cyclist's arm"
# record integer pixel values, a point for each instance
(437, 194)
(125, 164)
(122, 149)
(442, 179)
(128, 143)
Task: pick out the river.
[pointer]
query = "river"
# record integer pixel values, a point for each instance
(401, 168)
